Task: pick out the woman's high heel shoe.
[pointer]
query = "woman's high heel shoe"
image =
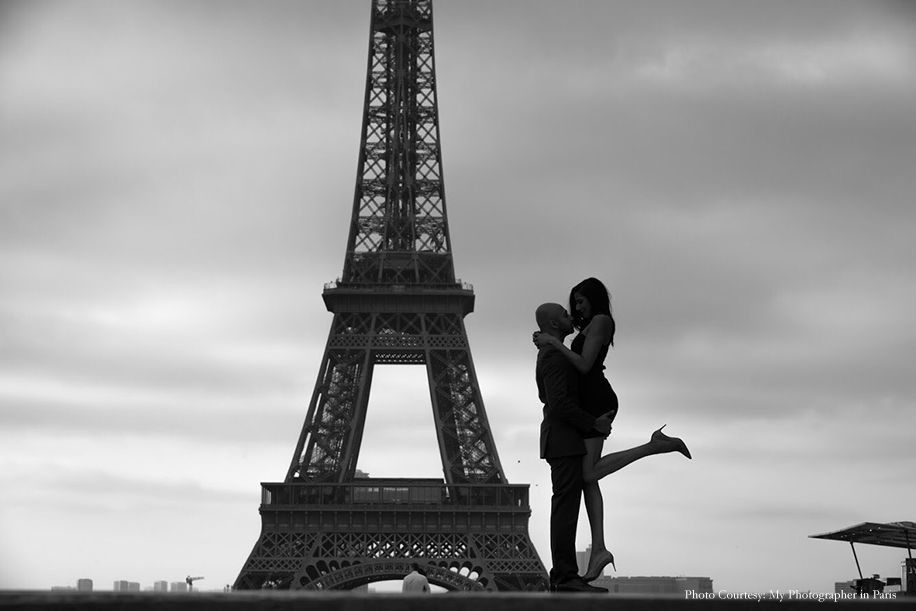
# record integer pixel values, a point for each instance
(594, 571)
(679, 445)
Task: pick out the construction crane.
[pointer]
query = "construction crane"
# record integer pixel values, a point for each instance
(190, 581)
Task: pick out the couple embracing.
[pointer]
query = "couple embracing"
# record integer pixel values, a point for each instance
(579, 407)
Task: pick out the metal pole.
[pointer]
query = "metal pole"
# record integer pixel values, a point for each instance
(910, 572)
(857, 558)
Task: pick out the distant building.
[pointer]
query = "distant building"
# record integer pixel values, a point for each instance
(844, 587)
(905, 584)
(161, 586)
(655, 585)
(178, 586)
(582, 560)
(84, 585)
(133, 586)
(120, 586)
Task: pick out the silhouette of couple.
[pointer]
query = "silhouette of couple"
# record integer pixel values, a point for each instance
(579, 407)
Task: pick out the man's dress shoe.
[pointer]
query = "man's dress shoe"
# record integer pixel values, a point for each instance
(579, 585)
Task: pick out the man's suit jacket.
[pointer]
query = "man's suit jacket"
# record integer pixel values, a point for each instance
(565, 422)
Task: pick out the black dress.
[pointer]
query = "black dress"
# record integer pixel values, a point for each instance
(594, 390)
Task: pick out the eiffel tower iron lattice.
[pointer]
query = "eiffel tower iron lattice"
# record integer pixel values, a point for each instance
(397, 302)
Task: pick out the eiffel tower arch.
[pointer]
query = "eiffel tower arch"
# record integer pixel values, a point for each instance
(396, 303)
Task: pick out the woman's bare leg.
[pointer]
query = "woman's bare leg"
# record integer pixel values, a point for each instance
(615, 461)
(594, 500)
(594, 508)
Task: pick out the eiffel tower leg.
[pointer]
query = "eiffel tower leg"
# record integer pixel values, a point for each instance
(328, 446)
(465, 440)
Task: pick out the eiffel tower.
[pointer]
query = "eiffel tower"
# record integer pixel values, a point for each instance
(397, 303)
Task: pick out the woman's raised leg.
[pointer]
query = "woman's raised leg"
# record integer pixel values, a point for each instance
(659, 443)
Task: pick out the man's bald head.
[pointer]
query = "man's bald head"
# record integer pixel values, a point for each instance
(547, 313)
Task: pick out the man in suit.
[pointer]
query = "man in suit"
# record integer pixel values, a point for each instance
(562, 430)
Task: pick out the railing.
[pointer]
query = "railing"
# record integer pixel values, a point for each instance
(407, 494)
(387, 287)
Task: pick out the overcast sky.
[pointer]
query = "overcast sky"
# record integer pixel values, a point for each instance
(176, 179)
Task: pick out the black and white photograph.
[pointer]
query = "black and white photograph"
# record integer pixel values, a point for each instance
(504, 295)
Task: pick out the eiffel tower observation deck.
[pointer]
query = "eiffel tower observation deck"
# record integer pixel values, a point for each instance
(397, 302)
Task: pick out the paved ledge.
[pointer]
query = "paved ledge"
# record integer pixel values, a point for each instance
(451, 601)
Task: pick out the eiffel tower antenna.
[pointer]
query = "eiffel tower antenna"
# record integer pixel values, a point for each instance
(397, 303)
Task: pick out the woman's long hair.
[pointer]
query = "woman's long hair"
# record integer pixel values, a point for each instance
(598, 298)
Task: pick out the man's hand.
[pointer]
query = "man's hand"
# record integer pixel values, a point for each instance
(542, 339)
(603, 422)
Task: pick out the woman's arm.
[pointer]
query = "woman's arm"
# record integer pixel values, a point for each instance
(599, 330)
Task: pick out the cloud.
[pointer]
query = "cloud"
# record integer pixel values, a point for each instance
(844, 62)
